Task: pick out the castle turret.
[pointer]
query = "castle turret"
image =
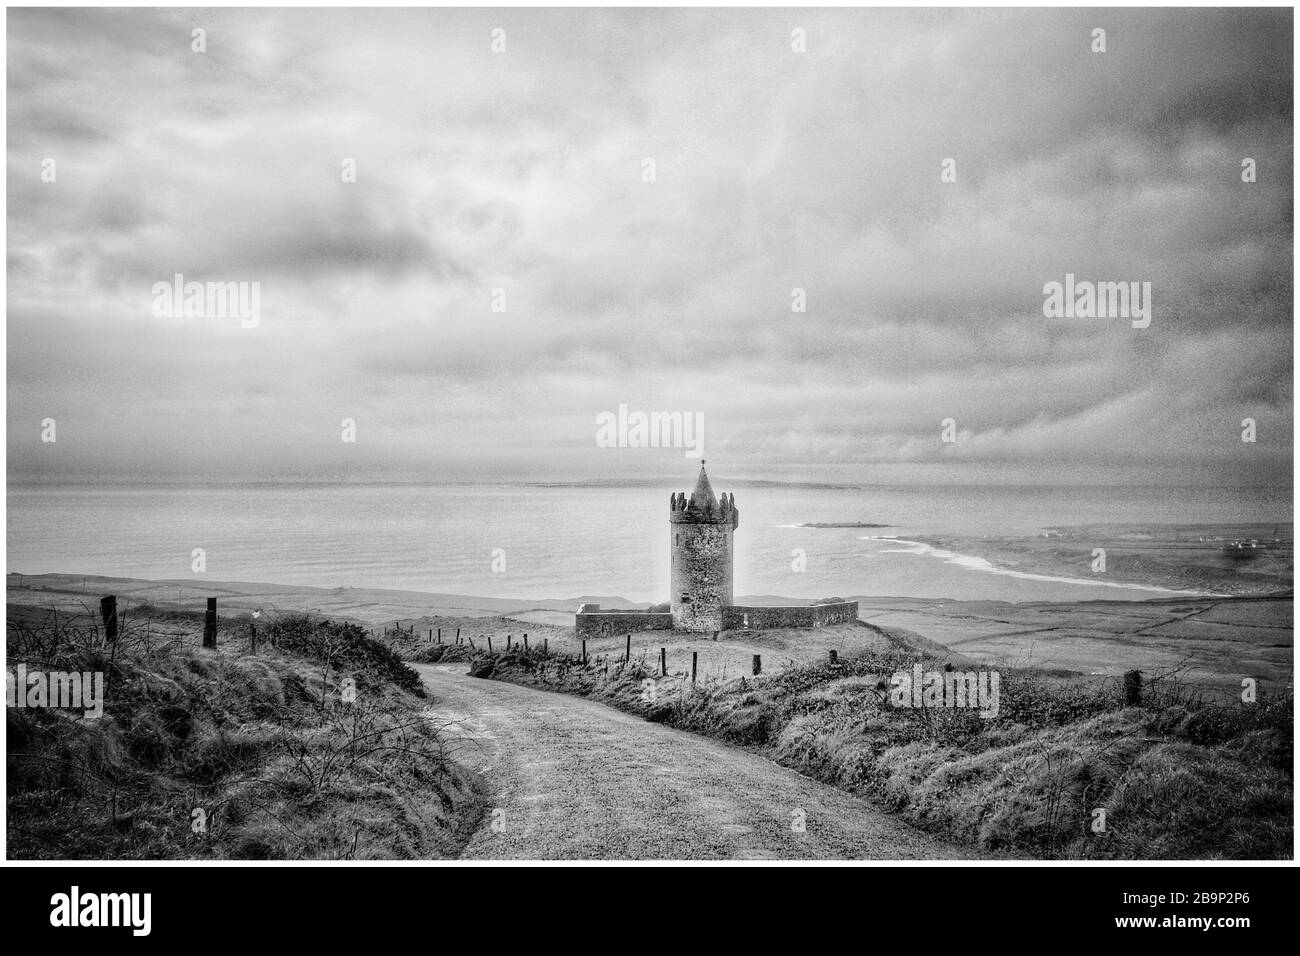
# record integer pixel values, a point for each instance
(701, 546)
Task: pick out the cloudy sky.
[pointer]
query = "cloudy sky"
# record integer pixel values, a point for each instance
(522, 170)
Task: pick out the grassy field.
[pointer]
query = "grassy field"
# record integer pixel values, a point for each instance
(314, 747)
(1213, 642)
(730, 655)
(1063, 771)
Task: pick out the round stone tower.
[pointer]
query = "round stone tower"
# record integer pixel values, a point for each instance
(700, 545)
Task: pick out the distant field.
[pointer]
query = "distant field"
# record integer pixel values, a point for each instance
(1213, 641)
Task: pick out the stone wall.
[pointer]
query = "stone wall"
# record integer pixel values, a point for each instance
(803, 615)
(591, 621)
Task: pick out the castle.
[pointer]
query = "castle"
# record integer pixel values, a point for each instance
(702, 562)
(701, 548)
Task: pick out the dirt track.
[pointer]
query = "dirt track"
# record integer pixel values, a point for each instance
(578, 780)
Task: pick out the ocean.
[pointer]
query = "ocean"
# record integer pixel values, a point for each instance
(559, 542)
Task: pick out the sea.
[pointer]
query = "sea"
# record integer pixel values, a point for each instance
(547, 542)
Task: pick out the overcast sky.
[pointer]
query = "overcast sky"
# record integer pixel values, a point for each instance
(523, 170)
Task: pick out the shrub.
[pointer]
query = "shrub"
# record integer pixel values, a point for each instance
(344, 645)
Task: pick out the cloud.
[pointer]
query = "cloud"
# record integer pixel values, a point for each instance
(522, 172)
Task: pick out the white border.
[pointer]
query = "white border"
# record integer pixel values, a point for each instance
(518, 4)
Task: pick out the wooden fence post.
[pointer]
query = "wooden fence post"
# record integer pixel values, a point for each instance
(525, 642)
(546, 645)
(1133, 689)
(489, 643)
(584, 652)
(695, 656)
(210, 625)
(471, 643)
(663, 662)
(758, 665)
(508, 637)
(628, 655)
(457, 635)
(439, 635)
(108, 610)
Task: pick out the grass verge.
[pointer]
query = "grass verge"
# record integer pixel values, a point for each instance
(315, 747)
(1063, 770)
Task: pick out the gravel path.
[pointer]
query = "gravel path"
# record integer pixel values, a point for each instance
(578, 780)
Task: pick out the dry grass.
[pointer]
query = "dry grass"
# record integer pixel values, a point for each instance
(265, 749)
(1179, 778)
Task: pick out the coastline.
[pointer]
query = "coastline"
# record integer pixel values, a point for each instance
(1212, 641)
(1194, 560)
(985, 565)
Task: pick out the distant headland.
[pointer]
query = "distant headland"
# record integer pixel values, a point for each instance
(843, 524)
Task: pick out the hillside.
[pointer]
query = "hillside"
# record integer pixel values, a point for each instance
(1064, 770)
(314, 747)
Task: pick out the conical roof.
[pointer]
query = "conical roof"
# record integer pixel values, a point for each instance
(702, 500)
